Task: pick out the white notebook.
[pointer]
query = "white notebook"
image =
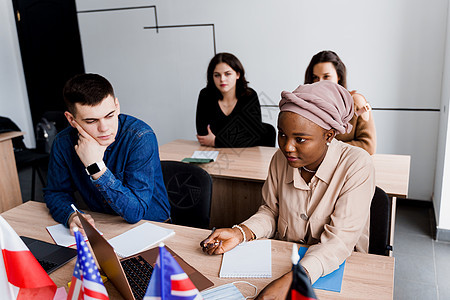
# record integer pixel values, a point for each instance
(61, 235)
(248, 260)
(139, 238)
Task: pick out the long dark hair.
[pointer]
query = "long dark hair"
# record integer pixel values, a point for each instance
(235, 64)
(327, 56)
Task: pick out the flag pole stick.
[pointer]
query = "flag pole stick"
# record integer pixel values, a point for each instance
(161, 265)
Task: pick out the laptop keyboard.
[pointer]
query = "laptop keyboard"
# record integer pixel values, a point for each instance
(138, 272)
(47, 265)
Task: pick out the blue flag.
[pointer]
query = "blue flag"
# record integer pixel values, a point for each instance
(169, 281)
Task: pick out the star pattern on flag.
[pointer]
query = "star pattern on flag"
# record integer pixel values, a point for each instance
(86, 280)
(87, 268)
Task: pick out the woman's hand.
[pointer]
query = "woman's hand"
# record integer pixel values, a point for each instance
(360, 102)
(207, 140)
(277, 289)
(221, 241)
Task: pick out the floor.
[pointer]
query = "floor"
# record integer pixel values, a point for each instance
(422, 265)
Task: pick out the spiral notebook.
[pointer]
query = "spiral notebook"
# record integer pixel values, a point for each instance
(248, 260)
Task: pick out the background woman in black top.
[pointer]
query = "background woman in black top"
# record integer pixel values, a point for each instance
(228, 111)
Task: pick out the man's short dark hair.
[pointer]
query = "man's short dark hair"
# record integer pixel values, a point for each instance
(86, 89)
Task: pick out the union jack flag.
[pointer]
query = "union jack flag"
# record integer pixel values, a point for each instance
(169, 281)
(86, 281)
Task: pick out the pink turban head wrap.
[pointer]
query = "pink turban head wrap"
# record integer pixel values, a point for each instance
(325, 103)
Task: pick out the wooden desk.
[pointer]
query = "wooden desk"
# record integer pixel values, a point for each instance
(10, 195)
(366, 276)
(239, 173)
(392, 175)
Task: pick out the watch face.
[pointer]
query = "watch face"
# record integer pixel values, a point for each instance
(92, 169)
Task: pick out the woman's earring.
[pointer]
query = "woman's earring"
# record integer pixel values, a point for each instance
(328, 143)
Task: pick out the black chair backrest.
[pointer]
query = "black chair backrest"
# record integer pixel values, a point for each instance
(189, 189)
(380, 223)
(269, 136)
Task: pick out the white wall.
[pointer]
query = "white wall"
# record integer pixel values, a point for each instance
(13, 94)
(394, 52)
(441, 199)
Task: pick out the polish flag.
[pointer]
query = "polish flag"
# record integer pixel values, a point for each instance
(21, 275)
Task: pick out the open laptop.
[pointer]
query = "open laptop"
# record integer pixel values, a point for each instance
(50, 256)
(131, 275)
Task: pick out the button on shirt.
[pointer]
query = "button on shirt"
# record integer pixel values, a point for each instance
(131, 187)
(331, 213)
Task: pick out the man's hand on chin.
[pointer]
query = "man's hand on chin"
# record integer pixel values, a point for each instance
(88, 149)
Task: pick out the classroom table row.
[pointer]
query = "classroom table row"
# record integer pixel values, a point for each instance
(366, 276)
(239, 174)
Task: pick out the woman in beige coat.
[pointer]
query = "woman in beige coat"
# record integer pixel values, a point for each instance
(318, 190)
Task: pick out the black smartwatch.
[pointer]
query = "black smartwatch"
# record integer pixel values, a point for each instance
(95, 168)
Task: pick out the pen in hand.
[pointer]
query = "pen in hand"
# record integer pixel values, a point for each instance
(74, 208)
(74, 221)
(210, 244)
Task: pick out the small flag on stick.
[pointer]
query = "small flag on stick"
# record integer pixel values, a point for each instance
(86, 281)
(169, 281)
(301, 288)
(21, 275)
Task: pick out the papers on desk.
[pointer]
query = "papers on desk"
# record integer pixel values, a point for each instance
(201, 157)
(331, 282)
(61, 235)
(248, 260)
(139, 238)
(206, 154)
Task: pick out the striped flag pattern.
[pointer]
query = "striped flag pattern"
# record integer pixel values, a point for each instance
(86, 281)
(21, 275)
(169, 281)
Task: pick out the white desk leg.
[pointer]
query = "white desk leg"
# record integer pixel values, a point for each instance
(393, 212)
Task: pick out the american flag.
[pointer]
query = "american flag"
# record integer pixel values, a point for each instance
(169, 281)
(86, 281)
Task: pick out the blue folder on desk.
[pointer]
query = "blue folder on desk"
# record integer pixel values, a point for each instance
(331, 282)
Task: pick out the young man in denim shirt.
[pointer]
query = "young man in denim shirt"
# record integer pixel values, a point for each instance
(111, 159)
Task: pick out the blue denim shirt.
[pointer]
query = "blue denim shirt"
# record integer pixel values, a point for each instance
(131, 187)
